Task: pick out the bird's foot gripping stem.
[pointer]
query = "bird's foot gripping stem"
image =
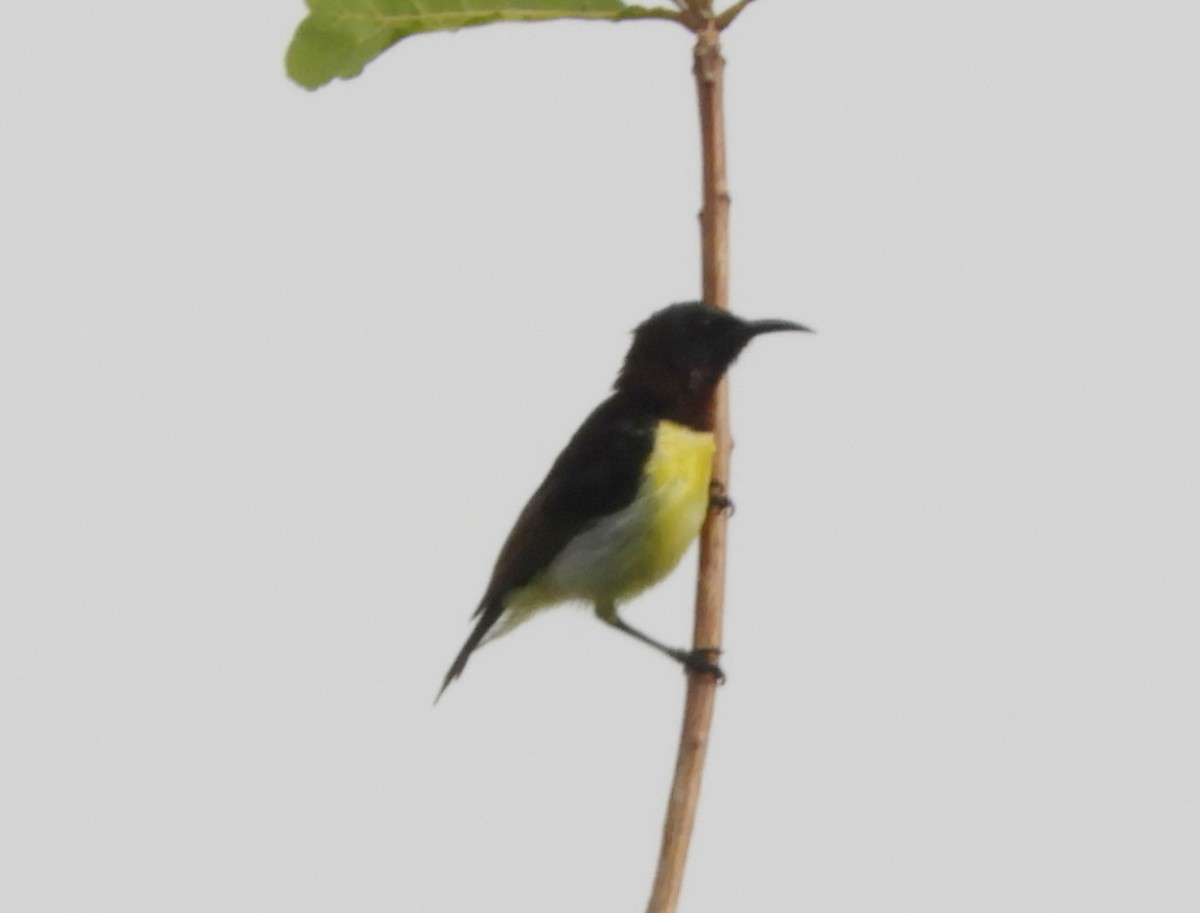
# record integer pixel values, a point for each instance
(701, 660)
(718, 500)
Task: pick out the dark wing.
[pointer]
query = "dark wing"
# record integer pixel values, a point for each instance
(598, 473)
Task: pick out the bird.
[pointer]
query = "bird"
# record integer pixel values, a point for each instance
(630, 491)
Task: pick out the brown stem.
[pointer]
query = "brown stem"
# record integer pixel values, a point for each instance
(732, 13)
(710, 590)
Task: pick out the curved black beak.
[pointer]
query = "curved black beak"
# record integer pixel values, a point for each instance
(758, 327)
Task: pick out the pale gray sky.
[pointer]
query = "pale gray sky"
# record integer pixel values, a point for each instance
(277, 370)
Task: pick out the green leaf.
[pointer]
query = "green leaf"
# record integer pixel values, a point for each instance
(340, 37)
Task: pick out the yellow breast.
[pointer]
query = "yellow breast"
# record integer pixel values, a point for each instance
(617, 556)
(678, 474)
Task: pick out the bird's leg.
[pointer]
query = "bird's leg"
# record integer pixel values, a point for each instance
(696, 660)
(717, 499)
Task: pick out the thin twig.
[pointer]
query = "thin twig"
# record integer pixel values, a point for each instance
(732, 13)
(701, 692)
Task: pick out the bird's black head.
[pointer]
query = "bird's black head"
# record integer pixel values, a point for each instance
(680, 353)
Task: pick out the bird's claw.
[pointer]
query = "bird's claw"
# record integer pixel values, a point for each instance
(698, 660)
(718, 500)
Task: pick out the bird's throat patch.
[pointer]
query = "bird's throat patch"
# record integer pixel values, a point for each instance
(681, 458)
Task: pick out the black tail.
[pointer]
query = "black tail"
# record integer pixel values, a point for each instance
(489, 610)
